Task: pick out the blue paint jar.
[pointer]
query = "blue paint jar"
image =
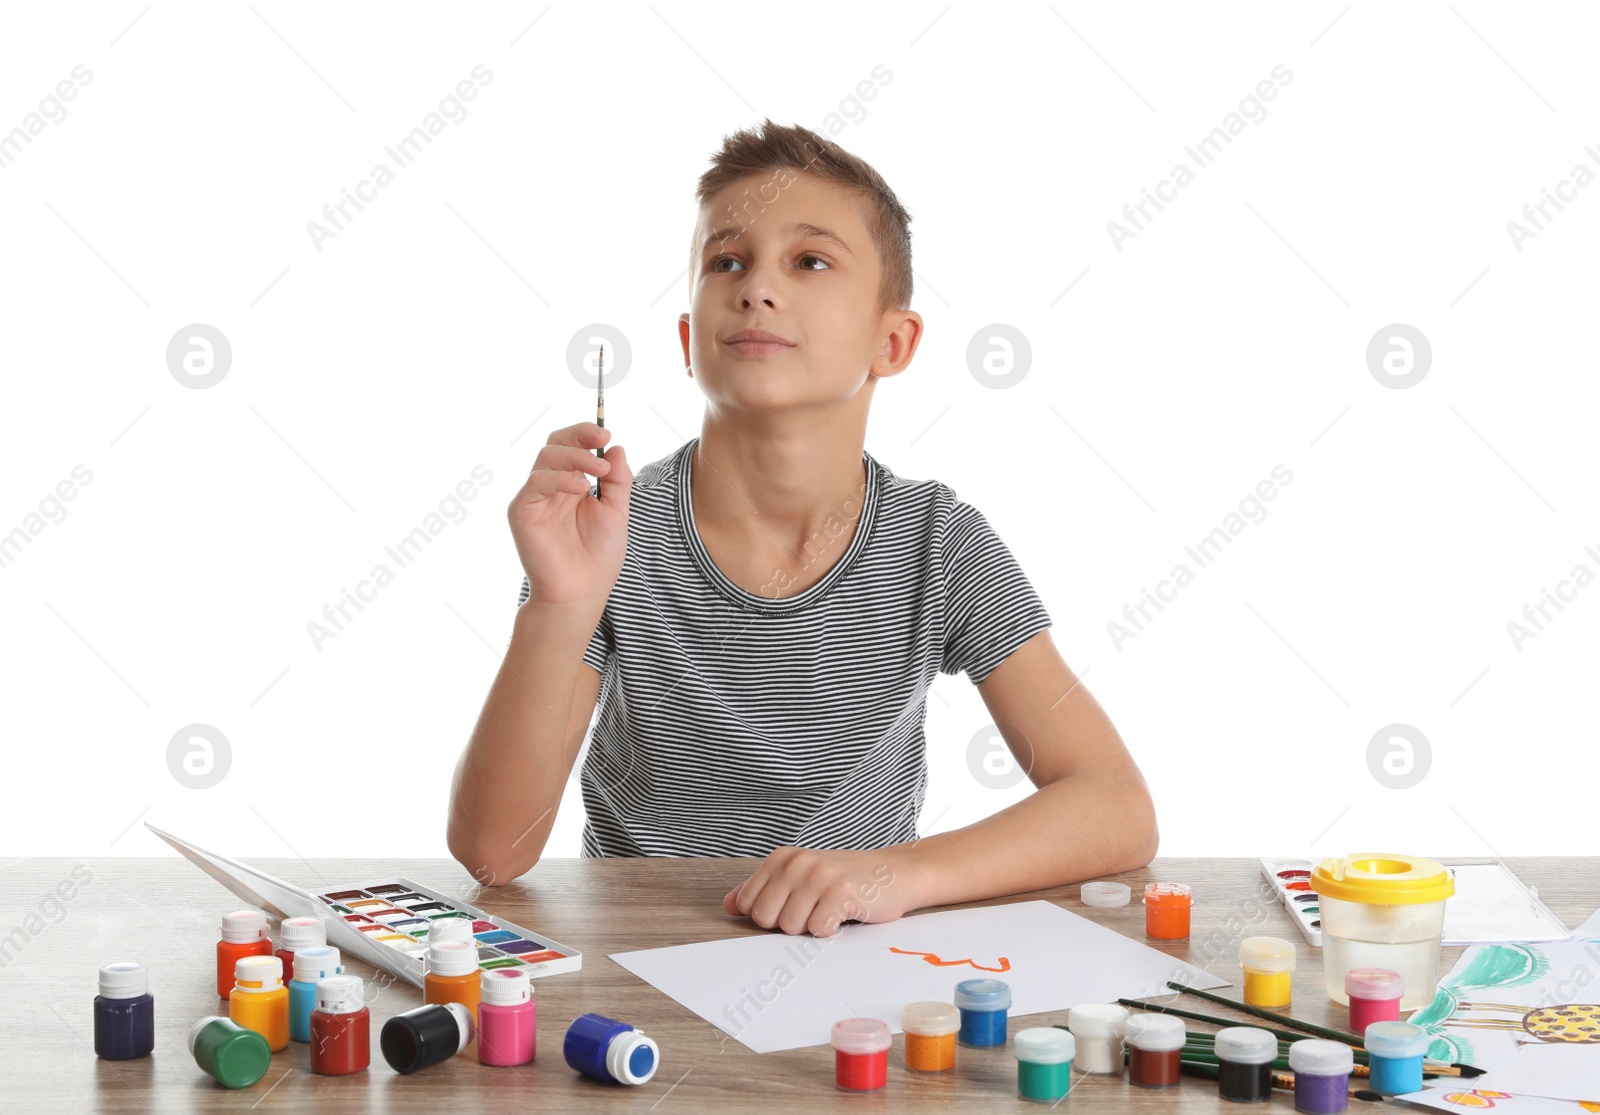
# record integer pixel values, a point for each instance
(310, 965)
(983, 1004)
(124, 1013)
(1395, 1051)
(609, 1050)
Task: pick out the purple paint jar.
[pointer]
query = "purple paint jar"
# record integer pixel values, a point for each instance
(1321, 1075)
(124, 1013)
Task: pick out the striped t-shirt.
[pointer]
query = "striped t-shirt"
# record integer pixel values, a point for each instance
(730, 722)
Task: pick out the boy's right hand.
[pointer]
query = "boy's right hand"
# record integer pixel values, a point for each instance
(571, 544)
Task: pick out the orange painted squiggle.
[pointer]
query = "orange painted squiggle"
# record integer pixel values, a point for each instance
(933, 958)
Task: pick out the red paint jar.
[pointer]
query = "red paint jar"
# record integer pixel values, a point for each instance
(1154, 1043)
(341, 1028)
(861, 1053)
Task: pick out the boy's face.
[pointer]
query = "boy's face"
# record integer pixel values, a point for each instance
(789, 254)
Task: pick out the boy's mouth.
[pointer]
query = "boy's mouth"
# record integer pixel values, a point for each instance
(756, 342)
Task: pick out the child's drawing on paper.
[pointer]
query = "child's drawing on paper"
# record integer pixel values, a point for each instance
(933, 958)
(1509, 1008)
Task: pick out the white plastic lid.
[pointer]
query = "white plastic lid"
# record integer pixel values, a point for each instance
(930, 1019)
(1155, 1033)
(1097, 1020)
(126, 979)
(1321, 1058)
(1105, 894)
(622, 1056)
(861, 1035)
(1044, 1045)
(1374, 983)
(265, 970)
(301, 933)
(463, 1016)
(1397, 1039)
(1246, 1045)
(1266, 954)
(340, 995)
(449, 929)
(506, 987)
(316, 962)
(243, 926)
(452, 958)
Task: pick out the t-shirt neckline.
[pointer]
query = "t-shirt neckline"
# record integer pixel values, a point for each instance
(753, 601)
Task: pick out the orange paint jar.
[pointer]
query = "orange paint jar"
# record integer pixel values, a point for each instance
(930, 1030)
(244, 933)
(1166, 911)
(453, 976)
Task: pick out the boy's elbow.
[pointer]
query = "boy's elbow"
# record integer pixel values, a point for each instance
(487, 867)
(1144, 838)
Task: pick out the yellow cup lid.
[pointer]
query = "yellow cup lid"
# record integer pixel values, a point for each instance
(1382, 879)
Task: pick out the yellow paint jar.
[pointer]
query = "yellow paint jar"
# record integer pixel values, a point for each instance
(259, 1001)
(1268, 964)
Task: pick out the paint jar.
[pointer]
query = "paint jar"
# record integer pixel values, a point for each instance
(259, 1001)
(1097, 1030)
(298, 933)
(450, 929)
(124, 1013)
(234, 1056)
(1154, 1041)
(311, 964)
(1268, 964)
(244, 933)
(930, 1030)
(1166, 911)
(1374, 995)
(341, 1028)
(983, 1004)
(1321, 1075)
(609, 1050)
(1244, 1063)
(1044, 1062)
(425, 1036)
(505, 1017)
(453, 975)
(1382, 911)
(1394, 1052)
(861, 1053)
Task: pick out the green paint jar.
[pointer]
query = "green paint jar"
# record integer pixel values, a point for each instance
(1044, 1062)
(235, 1056)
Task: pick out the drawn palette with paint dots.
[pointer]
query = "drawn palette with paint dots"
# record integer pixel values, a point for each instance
(402, 915)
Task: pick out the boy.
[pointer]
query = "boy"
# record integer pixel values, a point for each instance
(759, 614)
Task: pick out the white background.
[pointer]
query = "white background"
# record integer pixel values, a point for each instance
(429, 336)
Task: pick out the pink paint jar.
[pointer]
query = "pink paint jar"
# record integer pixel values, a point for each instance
(861, 1053)
(506, 1018)
(1374, 995)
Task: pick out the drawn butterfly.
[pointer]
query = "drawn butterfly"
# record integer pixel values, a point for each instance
(1478, 1097)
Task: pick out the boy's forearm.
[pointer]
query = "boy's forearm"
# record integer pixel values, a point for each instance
(1072, 829)
(509, 780)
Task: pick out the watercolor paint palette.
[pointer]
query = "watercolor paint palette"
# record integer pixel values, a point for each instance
(383, 922)
(1291, 881)
(399, 913)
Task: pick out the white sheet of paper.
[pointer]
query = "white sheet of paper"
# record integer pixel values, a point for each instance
(1590, 927)
(1498, 998)
(775, 991)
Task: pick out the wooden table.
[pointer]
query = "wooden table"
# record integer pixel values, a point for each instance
(164, 913)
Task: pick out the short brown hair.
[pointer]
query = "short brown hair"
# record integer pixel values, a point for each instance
(774, 147)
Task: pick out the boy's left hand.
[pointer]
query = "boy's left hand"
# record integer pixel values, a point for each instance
(812, 890)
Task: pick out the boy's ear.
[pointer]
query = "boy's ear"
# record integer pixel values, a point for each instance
(683, 335)
(905, 334)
